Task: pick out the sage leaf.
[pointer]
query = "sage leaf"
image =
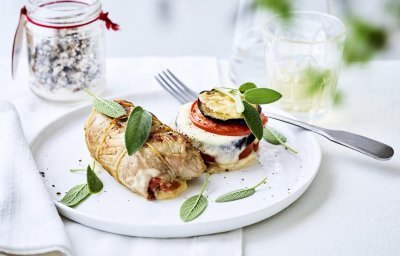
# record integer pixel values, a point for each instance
(94, 183)
(235, 195)
(275, 137)
(137, 130)
(239, 194)
(75, 195)
(246, 86)
(253, 120)
(195, 205)
(78, 170)
(107, 107)
(261, 96)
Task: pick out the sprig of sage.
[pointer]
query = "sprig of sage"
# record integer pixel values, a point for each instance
(79, 193)
(275, 137)
(239, 194)
(247, 86)
(138, 128)
(248, 94)
(108, 107)
(78, 170)
(75, 195)
(195, 205)
(253, 120)
(83, 169)
(261, 95)
(94, 183)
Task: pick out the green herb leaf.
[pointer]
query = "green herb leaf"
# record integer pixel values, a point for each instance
(195, 205)
(261, 96)
(76, 195)
(239, 194)
(247, 86)
(253, 120)
(78, 170)
(275, 137)
(137, 129)
(94, 183)
(108, 107)
(235, 195)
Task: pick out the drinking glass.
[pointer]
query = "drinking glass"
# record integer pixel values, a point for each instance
(246, 63)
(303, 56)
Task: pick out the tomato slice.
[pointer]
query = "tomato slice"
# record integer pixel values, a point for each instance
(156, 184)
(245, 153)
(209, 125)
(250, 148)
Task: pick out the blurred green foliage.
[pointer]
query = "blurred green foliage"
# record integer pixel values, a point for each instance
(320, 80)
(363, 41)
(283, 7)
(337, 98)
(317, 79)
(393, 8)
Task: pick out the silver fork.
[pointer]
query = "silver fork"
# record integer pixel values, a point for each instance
(367, 146)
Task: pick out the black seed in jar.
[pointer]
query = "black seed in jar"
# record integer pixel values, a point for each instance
(70, 60)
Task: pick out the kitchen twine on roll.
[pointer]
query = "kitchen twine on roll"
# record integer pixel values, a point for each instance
(24, 17)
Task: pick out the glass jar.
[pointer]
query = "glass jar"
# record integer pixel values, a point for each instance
(303, 57)
(66, 52)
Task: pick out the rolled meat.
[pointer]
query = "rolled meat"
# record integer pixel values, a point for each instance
(158, 170)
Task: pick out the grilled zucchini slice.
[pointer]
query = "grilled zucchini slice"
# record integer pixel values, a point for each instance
(220, 107)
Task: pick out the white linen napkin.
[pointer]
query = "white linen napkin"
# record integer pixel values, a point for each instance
(29, 223)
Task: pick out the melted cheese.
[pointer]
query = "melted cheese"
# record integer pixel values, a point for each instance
(242, 163)
(222, 148)
(142, 179)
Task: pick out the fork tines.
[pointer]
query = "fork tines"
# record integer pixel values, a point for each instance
(175, 87)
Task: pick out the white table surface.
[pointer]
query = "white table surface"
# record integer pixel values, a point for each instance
(353, 205)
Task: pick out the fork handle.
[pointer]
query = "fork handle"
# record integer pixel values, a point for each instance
(367, 146)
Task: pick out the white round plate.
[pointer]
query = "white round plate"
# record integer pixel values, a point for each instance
(60, 146)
